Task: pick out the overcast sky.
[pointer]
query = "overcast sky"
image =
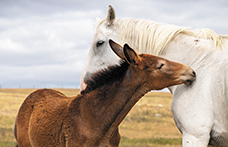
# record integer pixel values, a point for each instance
(44, 43)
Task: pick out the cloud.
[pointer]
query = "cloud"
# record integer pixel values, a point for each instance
(45, 43)
(196, 13)
(36, 49)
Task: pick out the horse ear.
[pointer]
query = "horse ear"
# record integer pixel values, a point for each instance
(111, 15)
(131, 56)
(118, 49)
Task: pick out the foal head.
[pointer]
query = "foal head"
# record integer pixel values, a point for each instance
(156, 72)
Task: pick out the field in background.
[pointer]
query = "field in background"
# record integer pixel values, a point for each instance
(149, 123)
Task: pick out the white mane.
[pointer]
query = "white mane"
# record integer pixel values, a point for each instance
(145, 34)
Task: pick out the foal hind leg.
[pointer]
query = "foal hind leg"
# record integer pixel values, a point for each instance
(22, 124)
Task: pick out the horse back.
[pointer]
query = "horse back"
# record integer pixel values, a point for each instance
(40, 109)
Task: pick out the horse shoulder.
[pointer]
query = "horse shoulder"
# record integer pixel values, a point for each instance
(219, 96)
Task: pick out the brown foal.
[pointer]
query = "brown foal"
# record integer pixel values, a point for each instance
(91, 119)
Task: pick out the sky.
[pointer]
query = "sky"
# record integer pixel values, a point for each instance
(44, 43)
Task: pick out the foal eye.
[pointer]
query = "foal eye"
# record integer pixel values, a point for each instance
(99, 43)
(160, 66)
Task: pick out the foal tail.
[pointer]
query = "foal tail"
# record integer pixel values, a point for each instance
(15, 130)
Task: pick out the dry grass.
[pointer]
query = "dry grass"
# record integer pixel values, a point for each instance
(149, 123)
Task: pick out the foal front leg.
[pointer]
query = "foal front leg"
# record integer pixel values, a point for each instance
(115, 140)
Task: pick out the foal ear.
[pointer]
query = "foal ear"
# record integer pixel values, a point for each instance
(118, 49)
(111, 15)
(131, 56)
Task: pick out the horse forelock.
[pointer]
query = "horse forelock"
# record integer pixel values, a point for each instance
(106, 76)
(151, 37)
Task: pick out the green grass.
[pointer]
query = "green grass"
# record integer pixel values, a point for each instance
(7, 144)
(148, 124)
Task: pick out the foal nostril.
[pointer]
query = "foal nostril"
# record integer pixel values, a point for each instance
(160, 66)
(193, 74)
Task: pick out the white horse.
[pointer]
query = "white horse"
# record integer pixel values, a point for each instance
(200, 110)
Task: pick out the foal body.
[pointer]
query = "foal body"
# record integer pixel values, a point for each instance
(49, 118)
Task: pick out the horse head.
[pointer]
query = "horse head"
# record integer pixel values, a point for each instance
(100, 54)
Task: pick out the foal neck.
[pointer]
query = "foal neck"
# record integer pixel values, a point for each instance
(107, 106)
(120, 98)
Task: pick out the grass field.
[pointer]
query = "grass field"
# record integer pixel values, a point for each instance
(149, 123)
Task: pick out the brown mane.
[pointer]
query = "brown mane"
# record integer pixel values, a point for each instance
(106, 76)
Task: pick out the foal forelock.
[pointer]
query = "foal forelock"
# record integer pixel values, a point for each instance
(106, 76)
(151, 37)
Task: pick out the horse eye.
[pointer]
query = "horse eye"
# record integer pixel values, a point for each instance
(160, 66)
(99, 43)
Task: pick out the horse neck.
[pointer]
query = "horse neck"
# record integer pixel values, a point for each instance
(199, 54)
(110, 104)
(173, 42)
(190, 51)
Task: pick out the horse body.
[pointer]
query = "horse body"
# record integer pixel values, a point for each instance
(200, 110)
(49, 118)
